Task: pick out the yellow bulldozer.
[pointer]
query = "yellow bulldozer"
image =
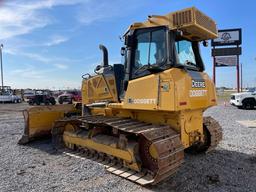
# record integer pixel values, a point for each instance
(139, 117)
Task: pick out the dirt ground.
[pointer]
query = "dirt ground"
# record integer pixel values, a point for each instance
(36, 167)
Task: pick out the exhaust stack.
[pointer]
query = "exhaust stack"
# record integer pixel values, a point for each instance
(105, 55)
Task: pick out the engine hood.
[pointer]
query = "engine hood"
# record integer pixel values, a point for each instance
(242, 94)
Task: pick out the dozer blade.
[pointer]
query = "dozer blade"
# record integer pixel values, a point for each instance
(39, 120)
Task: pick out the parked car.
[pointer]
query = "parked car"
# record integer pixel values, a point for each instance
(244, 100)
(8, 97)
(69, 97)
(28, 94)
(42, 97)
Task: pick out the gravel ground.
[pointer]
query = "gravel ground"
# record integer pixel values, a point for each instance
(35, 167)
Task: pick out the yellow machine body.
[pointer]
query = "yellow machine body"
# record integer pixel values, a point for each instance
(144, 123)
(173, 97)
(99, 88)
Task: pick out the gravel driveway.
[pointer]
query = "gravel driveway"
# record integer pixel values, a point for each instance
(35, 167)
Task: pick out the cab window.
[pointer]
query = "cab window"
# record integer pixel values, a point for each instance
(150, 50)
(185, 53)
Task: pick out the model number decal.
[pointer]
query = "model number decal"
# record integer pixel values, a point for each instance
(197, 93)
(141, 101)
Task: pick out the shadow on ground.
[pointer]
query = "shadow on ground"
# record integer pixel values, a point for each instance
(43, 144)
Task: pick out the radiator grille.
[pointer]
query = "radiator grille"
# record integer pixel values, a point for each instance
(205, 21)
(193, 16)
(181, 18)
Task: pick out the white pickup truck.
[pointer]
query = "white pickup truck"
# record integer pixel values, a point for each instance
(10, 98)
(244, 100)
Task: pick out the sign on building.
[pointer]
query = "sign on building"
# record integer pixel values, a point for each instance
(226, 61)
(228, 37)
(229, 55)
(226, 51)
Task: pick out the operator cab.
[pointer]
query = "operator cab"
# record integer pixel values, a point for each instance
(149, 51)
(151, 47)
(156, 49)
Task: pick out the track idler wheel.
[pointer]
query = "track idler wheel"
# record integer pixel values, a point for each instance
(59, 128)
(148, 155)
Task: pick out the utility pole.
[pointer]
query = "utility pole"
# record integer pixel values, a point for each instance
(238, 74)
(241, 77)
(2, 76)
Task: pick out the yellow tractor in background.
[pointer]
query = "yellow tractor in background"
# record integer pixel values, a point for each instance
(137, 118)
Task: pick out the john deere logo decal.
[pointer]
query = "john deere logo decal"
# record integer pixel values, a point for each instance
(198, 84)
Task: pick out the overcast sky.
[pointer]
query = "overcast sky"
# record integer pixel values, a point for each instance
(52, 43)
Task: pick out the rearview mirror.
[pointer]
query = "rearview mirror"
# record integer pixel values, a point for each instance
(179, 33)
(122, 51)
(205, 43)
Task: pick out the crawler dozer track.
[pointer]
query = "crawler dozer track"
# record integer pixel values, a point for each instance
(143, 153)
(215, 132)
